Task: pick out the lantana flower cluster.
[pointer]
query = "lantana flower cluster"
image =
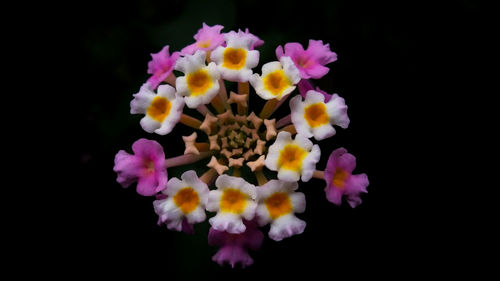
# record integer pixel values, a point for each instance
(238, 141)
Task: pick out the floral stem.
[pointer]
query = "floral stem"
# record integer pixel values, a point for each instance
(190, 121)
(171, 79)
(236, 172)
(282, 100)
(203, 109)
(209, 176)
(223, 93)
(268, 108)
(243, 89)
(319, 175)
(202, 146)
(261, 178)
(284, 121)
(186, 159)
(290, 128)
(218, 104)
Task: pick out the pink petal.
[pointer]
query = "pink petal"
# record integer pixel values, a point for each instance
(315, 71)
(190, 49)
(279, 52)
(148, 149)
(294, 50)
(233, 255)
(346, 162)
(148, 185)
(334, 195)
(128, 168)
(321, 53)
(304, 87)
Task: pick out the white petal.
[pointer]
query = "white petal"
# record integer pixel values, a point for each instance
(323, 132)
(213, 203)
(252, 59)
(286, 226)
(149, 125)
(191, 63)
(173, 186)
(225, 181)
(313, 96)
(166, 91)
(303, 142)
(249, 211)
(175, 224)
(337, 110)
(288, 175)
(298, 200)
(270, 67)
(291, 71)
(196, 216)
(181, 86)
(262, 215)
(217, 55)
(228, 222)
(309, 163)
(142, 100)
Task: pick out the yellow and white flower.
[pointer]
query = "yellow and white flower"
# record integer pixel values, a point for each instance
(186, 199)
(162, 109)
(293, 159)
(236, 60)
(278, 79)
(314, 117)
(233, 200)
(277, 203)
(200, 83)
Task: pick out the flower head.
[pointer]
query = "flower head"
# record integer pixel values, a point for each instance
(278, 202)
(146, 167)
(161, 66)
(341, 182)
(233, 200)
(186, 200)
(293, 159)
(207, 39)
(314, 117)
(278, 79)
(236, 60)
(200, 83)
(162, 110)
(310, 62)
(233, 247)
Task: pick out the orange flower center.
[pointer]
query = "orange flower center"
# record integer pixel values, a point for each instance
(315, 114)
(233, 201)
(291, 157)
(234, 58)
(278, 204)
(187, 199)
(339, 177)
(159, 108)
(199, 82)
(276, 82)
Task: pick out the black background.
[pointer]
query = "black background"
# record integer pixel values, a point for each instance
(390, 59)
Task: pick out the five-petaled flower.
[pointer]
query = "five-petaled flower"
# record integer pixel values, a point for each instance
(245, 148)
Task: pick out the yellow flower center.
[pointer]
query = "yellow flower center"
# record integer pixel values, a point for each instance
(187, 199)
(339, 177)
(315, 114)
(199, 82)
(159, 108)
(276, 82)
(278, 204)
(149, 166)
(291, 157)
(233, 201)
(234, 58)
(204, 44)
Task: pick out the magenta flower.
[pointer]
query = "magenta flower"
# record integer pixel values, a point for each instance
(341, 182)
(161, 66)
(146, 167)
(207, 39)
(310, 62)
(233, 247)
(304, 87)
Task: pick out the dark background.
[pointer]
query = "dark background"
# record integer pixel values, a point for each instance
(389, 57)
